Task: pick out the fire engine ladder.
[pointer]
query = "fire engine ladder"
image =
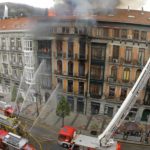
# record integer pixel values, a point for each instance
(105, 137)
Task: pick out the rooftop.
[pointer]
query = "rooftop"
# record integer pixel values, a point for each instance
(118, 16)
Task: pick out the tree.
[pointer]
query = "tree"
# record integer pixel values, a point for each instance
(63, 109)
(14, 93)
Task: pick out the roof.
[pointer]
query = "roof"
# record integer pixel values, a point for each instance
(15, 23)
(67, 131)
(118, 16)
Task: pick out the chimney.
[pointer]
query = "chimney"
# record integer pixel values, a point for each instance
(5, 12)
(142, 11)
(128, 8)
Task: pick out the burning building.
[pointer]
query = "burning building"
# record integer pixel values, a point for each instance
(96, 58)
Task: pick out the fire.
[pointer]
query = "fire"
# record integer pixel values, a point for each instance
(51, 12)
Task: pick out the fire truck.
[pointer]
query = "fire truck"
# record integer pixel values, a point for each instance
(6, 109)
(105, 140)
(10, 141)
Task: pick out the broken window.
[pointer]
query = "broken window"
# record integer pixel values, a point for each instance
(95, 107)
(111, 91)
(115, 52)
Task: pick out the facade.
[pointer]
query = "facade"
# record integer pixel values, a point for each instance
(96, 60)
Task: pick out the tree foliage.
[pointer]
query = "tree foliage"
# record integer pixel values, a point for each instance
(63, 109)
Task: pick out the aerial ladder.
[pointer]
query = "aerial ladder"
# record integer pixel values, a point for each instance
(105, 140)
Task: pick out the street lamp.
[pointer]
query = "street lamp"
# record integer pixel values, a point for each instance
(37, 107)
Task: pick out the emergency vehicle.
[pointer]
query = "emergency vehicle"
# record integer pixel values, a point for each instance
(6, 109)
(105, 140)
(10, 141)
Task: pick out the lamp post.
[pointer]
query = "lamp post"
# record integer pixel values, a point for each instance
(37, 107)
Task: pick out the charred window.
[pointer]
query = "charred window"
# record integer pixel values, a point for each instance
(111, 91)
(44, 46)
(95, 90)
(115, 52)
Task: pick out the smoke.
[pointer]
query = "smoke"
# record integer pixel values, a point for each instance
(85, 6)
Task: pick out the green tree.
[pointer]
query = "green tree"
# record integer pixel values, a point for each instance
(63, 109)
(14, 93)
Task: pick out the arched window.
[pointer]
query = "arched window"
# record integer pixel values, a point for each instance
(126, 75)
(114, 72)
(59, 67)
(137, 73)
(70, 68)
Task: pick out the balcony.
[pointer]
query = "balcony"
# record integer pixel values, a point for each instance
(115, 60)
(95, 95)
(98, 60)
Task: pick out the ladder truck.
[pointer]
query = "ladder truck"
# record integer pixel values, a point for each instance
(105, 140)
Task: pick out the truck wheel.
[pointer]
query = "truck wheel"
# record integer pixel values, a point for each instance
(65, 145)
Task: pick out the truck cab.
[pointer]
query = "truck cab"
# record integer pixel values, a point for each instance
(66, 134)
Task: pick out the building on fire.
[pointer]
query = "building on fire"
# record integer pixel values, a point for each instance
(96, 59)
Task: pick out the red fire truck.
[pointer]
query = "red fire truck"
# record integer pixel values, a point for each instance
(10, 141)
(104, 140)
(6, 109)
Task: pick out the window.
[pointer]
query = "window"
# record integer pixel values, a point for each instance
(70, 68)
(95, 90)
(3, 43)
(18, 43)
(105, 32)
(137, 73)
(136, 34)
(28, 45)
(28, 59)
(97, 72)
(111, 91)
(114, 72)
(81, 68)
(132, 114)
(45, 82)
(147, 98)
(128, 55)
(14, 73)
(65, 29)
(116, 33)
(81, 88)
(5, 58)
(115, 52)
(70, 49)
(98, 51)
(141, 56)
(59, 67)
(143, 35)
(80, 105)
(146, 115)
(124, 33)
(126, 75)
(70, 86)
(123, 93)
(59, 48)
(95, 107)
(82, 49)
(44, 46)
(108, 110)
(12, 42)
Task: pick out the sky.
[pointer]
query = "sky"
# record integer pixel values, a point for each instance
(135, 4)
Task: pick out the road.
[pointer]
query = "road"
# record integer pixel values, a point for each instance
(46, 137)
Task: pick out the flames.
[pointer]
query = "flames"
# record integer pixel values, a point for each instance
(51, 12)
